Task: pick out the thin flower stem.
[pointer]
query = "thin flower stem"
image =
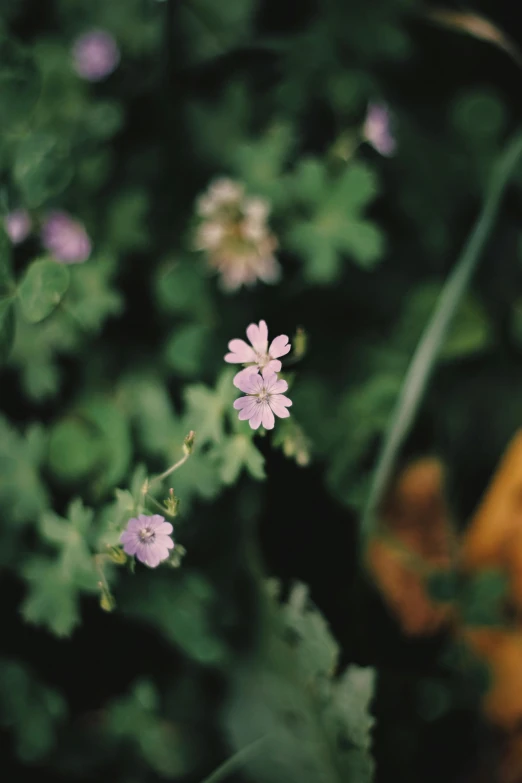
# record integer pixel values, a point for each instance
(424, 358)
(170, 470)
(155, 502)
(235, 762)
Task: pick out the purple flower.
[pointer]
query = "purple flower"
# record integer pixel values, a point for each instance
(264, 397)
(376, 129)
(95, 55)
(65, 238)
(258, 353)
(148, 538)
(17, 225)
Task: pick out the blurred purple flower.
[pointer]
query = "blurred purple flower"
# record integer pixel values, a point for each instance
(258, 352)
(149, 538)
(376, 129)
(65, 238)
(17, 225)
(95, 55)
(264, 398)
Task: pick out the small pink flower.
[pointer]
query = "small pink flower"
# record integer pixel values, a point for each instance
(264, 398)
(65, 238)
(95, 55)
(258, 353)
(148, 537)
(376, 129)
(17, 225)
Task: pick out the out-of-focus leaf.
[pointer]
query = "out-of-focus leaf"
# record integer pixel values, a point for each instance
(42, 167)
(315, 727)
(184, 610)
(238, 453)
(29, 710)
(42, 288)
(186, 349)
(211, 30)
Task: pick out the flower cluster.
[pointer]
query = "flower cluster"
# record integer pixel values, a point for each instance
(234, 233)
(259, 381)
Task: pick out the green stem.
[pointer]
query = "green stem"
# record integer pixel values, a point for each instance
(235, 762)
(424, 358)
(170, 470)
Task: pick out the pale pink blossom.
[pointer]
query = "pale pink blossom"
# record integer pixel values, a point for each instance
(377, 129)
(17, 225)
(148, 538)
(264, 398)
(233, 232)
(95, 55)
(258, 355)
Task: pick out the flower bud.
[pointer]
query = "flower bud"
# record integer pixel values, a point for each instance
(188, 443)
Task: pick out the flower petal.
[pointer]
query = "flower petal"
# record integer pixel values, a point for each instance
(155, 521)
(269, 378)
(279, 387)
(165, 529)
(133, 525)
(240, 352)
(250, 410)
(258, 336)
(255, 420)
(130, 542)
(248, 380)
(153, 557)
(279, 403)
(274, 365)
(243, 402)
(268, 418)
(279, 346)
(164, 541)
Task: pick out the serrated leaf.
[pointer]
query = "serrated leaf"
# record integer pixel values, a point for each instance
(42, 288)
(238, 453)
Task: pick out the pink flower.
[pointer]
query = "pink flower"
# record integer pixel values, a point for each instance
(95, 55)
(264, 398)
(148, 538)
(234, 234)
(376, 129)
(258, 353)
(65, 238)
(17, 225)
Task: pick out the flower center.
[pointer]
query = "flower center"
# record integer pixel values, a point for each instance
(146, 535)
(262, 396)
(262, 359)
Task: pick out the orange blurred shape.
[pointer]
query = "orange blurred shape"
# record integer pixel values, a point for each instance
(502, 650)
(494, 537)
(475, 25)
(414, 541)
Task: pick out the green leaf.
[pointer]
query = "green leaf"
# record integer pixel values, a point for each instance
(51, 599)
(42, 167)
(316, 726)
(206, 408)
(211, 30)
(183, 609)
(42, 288)
(186, 349)
(75, 450)
(238, 453)
(22, 492)
(29, 710)
(7, 326)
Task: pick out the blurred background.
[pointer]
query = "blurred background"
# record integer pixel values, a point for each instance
(171, 172)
